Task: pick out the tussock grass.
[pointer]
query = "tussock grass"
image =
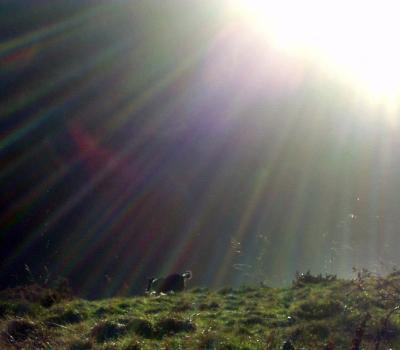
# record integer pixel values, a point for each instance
(314, 313)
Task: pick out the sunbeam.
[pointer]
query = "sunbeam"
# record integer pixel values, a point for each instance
(241, 140)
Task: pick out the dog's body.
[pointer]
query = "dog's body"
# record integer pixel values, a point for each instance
(172, 283)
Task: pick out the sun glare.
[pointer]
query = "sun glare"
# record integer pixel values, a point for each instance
(354, 39)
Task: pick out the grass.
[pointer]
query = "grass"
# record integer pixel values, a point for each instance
(314, 313)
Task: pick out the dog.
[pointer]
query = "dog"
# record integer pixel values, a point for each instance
(172, 283)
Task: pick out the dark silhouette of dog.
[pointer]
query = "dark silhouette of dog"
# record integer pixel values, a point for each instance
(175, 282)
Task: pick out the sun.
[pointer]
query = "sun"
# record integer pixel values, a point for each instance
(356, 39)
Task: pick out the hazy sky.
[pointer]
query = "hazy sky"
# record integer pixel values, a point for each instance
(242, 142)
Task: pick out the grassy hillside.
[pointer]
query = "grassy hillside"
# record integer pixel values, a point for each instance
(316, 312)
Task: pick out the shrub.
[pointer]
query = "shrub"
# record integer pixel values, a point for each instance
(132, 345)
(182, 307)
(102, 311)
(155, 310)
(106, 330)
(226, 290)
(34, 293)
(199, 290)
(302, 279)
(243, 331)
(66, 317)
(80, 345)
(212, 341)
(230, 322)
(384, 332)
(167, 326)
(246, 289)
(316, 310)
(253, 320)
(124, 306)
(141, 327)
(20, 330)
(273, 340)
(287, 299)
(319, 330)
(210, 306)
(17, 308)
(310, 331)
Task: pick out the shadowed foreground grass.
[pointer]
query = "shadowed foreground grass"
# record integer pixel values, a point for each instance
(314, 313)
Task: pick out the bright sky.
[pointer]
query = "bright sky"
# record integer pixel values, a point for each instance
(356, 40)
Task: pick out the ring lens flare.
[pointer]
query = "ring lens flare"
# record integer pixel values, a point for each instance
(354, 40)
